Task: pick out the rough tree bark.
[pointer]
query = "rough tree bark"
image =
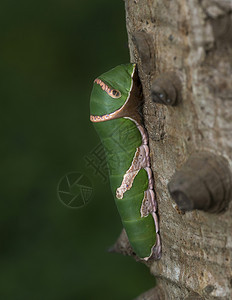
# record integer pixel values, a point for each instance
(193, 38)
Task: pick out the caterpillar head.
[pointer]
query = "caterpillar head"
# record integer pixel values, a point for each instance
(111, 91)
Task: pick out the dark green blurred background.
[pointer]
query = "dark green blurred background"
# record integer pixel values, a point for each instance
(50, 53)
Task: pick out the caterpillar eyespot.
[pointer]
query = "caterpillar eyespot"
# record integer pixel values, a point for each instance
(115, 94)
(120, 126)
(111, 92)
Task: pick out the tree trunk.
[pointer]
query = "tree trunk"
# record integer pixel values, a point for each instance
(193, 39)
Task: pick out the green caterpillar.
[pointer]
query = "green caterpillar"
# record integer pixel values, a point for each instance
(115, 107)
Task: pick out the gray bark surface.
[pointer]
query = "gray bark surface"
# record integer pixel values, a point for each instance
(192, 38)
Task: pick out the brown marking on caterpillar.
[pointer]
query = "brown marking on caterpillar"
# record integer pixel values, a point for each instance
(111, 92)
(139, 162)
(126, 184)
(146, 207)
(96, 119)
